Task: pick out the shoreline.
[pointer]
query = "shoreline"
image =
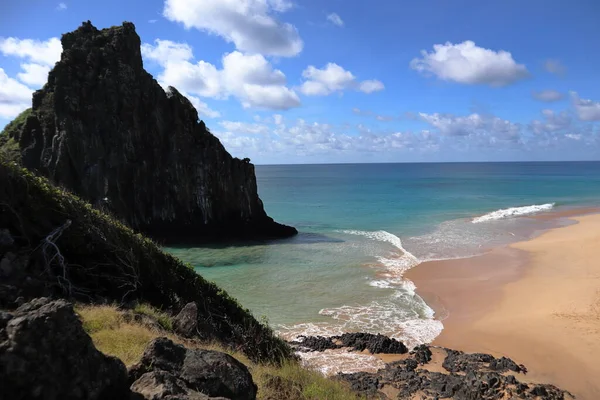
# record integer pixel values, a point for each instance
(536, 301)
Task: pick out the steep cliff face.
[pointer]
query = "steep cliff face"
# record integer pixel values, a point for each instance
(105, 129)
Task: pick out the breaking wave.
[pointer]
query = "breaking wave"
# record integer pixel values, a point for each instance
(513, 212)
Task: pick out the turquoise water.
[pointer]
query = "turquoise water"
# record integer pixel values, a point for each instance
(361, 226)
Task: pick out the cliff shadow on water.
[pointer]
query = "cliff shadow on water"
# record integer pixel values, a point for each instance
(104, 128)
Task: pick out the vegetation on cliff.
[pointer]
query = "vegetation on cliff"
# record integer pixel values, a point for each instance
(61, 246)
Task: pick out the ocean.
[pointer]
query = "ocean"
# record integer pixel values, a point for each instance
(362, 225)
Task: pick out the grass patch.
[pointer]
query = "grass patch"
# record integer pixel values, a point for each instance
(162, 318)
(99, 318)
(127, 341)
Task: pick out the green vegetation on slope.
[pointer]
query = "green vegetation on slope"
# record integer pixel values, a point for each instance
(76, 251)
(112, 334)
(9, 146)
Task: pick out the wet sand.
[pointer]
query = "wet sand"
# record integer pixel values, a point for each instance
(537, 302)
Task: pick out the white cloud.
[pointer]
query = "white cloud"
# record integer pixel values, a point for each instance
(333, 78)
(548, 96)
(249, 78)
(14, 96)
(553, 122)
(587, 110)
(469, 64)
(555, 67)
(370, 86)
(335, 19)
(41, 56)
(203, 109)
(61, 6)
(249, 24)
(315, 139)
(152, 21)
(35, 51)
(494, 128)
(34, 74)
(243, 127)
(164, 51)
(573, 136)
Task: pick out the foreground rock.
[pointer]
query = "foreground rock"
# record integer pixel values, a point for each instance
(375, 344)
(470, 377)
(106, 130)
(168, 369)
(186, 322)
(46, 354)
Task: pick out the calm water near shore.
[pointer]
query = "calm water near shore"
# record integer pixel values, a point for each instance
(362, 225)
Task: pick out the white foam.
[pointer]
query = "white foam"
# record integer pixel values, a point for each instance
(397, 265)
(513, 212)
(332, 362)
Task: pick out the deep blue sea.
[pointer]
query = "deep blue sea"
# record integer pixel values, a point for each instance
(362, 225)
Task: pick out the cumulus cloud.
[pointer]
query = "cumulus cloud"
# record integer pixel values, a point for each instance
(244, 127)
(335, 19)
(548, 96)
(35, 51)
(251, 25)
(249, 78)
(14, 96)
(310, 139)
(552, 122)
(61, 6)
(469, 64)
(494, 128)
(333, 78)
(40, 57)
(555, 67)
(587, 110)
(34, 74)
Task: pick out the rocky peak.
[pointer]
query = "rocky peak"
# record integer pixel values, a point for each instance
(105, 129)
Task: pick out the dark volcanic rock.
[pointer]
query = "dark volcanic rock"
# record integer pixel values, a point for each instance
(186, 322)
(173, 370)
(106, 130)
(314, 343)
(474, 382)
(45, 353)
(376, 344)
(422, 354)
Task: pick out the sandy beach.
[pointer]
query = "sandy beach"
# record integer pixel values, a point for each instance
(537, 302)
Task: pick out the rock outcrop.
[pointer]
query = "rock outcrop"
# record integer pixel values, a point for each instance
(46, 354)
(186, 322)
(375, 344)
(103, 128)
(470, 377)
(169, 369)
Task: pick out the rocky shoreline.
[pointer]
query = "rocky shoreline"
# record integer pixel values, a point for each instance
(460, 375)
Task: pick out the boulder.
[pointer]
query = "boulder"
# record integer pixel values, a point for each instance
(46, 354)
(169, 369)
(186, 322)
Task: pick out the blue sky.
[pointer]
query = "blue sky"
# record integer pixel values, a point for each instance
(291, 81)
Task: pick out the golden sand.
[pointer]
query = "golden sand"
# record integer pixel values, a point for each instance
(537, 302)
